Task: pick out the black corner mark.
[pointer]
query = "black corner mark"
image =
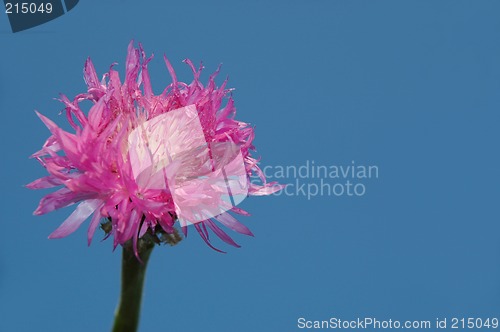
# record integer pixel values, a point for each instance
(26, 14)
(70, 4)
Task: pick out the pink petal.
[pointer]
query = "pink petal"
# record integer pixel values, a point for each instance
(96, 112)
(146, 80)
(240, 211)
(205, 238)
(67, 141)
(220, 233)
(49, 123)
(90, 75)
(59, 199)
(45, 182)
(71, 224)
(94, 223)
(230, 222)
(74, 109)
(131, 66)
(132, 226)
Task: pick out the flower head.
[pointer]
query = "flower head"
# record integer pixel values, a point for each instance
(140, 162)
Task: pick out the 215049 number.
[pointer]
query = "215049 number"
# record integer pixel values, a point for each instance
(474, 323)
(28, 8)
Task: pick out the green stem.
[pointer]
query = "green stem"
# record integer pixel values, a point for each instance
(133, 273)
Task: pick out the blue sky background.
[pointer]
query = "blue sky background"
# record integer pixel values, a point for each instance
(410, 86)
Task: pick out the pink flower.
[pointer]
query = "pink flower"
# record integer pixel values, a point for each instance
(142, 161)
